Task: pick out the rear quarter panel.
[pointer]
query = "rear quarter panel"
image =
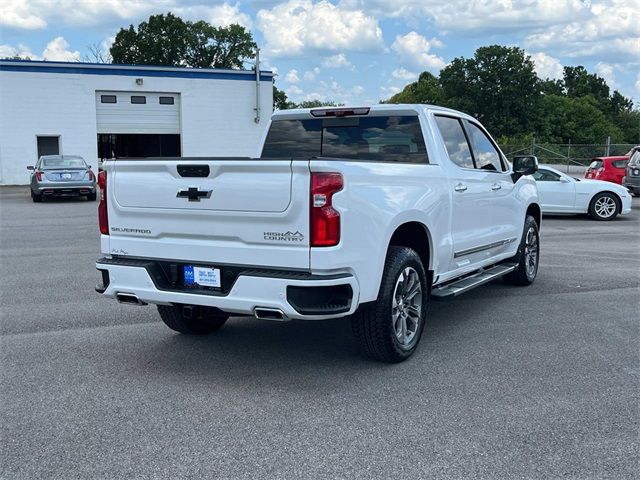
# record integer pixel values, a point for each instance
(376, 199)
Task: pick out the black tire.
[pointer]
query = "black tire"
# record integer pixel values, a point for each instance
(604, 206)
(203, 320)
(35, 197)
(92, 197)
(374, 325)
(526, 272)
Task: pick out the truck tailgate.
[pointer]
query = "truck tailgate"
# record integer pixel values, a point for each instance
(218, 211)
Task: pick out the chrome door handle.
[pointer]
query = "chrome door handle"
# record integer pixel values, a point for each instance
(460, 187)
(496, 186)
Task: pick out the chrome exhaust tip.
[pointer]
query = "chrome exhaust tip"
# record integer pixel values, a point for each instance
(129, 299)
(264, 313)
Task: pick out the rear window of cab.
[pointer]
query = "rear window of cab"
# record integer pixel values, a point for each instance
(395, 138)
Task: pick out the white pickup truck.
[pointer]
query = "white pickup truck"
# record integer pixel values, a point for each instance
(361, 212)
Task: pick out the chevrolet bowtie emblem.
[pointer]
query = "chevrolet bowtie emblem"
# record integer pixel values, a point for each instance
(193, 194)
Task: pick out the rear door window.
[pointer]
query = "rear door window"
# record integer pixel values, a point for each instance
(382, 138)
(455, 141)
(485, 153)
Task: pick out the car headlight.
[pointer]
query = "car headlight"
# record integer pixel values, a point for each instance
(636, 172)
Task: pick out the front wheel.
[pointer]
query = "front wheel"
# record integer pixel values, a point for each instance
(390, 329)
(192, 319)
(604, 206)
(528, 255)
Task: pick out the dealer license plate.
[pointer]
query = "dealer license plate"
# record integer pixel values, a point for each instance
(205, 277)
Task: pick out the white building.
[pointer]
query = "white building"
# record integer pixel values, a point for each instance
(105, 111)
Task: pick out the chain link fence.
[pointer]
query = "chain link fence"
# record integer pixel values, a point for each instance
(566, 156)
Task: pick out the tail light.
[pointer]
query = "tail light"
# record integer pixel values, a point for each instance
(91, 175)
(324, 219)
(38, 175)
(103, 218)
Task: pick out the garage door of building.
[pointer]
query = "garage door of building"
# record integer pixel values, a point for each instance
(138, 124)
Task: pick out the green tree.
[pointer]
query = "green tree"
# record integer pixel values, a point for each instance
(317, 103)
(223, 47)
(280, 100)
(498, 85)
(580, 120)
(580, 83)
(426, 89)
(169, 40)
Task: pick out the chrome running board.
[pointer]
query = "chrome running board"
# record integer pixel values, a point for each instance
(464, 284)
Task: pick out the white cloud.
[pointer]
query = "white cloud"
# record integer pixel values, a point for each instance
(404, 74)
(637, 85)
(294, 90)
(609, 29)
(292, 76)
(415, 49)
(34, 14)
(389, 91)
(19, 14)
(475, 15)
(219, 15)
(606, 71)
(295, 26)
(547, 66)
(58, 49)
(310, 75)
(225, 14)
(7, 51)
(337, 61)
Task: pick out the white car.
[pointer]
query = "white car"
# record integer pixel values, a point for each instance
(561, 193)
(357, 213)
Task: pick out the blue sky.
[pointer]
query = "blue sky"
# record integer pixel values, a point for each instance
(357, 51)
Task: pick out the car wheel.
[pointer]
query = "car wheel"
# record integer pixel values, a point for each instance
(92, 197)
(35, 197)
(390, 329)
(604, 206)
(528, 256)
(192, 321)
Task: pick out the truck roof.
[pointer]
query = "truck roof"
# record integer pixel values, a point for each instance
(376, 109)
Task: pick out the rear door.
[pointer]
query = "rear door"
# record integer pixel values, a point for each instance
(471, 226)
(222, 211)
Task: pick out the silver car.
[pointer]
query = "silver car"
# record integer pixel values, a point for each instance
(62, 175)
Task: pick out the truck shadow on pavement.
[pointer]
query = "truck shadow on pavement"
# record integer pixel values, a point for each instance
(247, 348)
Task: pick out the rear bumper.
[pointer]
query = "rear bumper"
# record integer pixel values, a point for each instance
(632, 184)
(65, 189)
(297, 296)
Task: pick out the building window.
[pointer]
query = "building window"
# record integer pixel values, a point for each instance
(138, 99)
(108, 99)
(166, 100)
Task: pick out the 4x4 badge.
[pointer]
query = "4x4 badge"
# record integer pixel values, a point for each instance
(194, 194)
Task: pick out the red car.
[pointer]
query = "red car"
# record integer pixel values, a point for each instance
(609, 169)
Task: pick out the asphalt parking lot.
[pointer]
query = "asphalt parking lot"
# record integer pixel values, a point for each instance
(538, 382)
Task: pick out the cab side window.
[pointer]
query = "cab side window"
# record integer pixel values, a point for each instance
(455, 141)
(486, 155)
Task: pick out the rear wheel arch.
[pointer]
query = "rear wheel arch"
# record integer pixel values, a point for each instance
(416, 236)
